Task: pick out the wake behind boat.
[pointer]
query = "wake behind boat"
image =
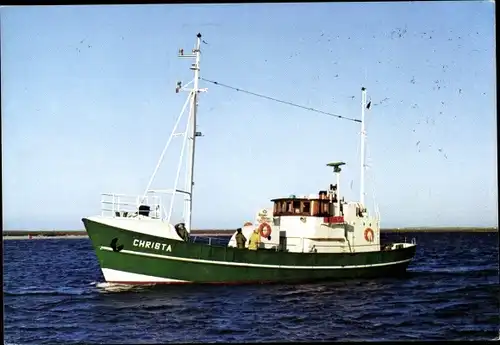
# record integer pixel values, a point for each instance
(300, 239)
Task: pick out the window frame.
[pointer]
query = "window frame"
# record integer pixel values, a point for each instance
(286, 207)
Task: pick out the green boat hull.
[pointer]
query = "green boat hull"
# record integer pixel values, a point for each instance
(154, 260)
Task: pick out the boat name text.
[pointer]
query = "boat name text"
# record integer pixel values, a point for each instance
(152, 245)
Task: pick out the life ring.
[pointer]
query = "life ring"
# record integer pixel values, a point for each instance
(369, 235)
(268, 230)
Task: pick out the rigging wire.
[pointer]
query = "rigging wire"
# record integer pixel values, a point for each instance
(280, 101)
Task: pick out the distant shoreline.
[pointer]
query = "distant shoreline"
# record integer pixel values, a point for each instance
(41, 237)
(39, 234)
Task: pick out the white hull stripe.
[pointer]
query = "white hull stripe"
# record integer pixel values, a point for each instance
(117, 276)
(226, 263)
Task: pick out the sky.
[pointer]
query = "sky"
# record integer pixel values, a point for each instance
(88, 103)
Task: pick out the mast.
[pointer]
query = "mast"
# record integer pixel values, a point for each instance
(188, 200)
(363, 137)
(189, 133)
(189, 136)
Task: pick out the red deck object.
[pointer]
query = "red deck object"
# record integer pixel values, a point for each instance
(334, 220)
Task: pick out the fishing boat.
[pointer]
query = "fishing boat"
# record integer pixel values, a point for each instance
(308, 238)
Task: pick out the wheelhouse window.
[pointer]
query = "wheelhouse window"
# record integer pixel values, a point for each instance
(325, 208)
(305, 207)
(295, 207)
(321, 208)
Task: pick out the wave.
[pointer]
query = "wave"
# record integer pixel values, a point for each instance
(105, 287)
(33, 291)
(454, 271)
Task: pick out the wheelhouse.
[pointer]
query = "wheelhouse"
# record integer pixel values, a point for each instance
(319, 206)
(325, 204)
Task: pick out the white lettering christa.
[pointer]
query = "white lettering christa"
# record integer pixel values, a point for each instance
(152, 245)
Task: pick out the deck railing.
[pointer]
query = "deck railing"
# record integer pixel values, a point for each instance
(212, 241)
(122, 205)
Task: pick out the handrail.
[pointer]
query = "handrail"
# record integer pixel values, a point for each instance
(120, 204)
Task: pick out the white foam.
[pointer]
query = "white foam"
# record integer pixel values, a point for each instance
(113, 287)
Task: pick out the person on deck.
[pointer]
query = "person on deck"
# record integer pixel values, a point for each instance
(254, 241)
(240, 239)
(182, 232)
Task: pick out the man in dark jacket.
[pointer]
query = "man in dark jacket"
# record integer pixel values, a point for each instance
(182, 232)
(240, 239)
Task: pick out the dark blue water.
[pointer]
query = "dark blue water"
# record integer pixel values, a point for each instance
(53, 293)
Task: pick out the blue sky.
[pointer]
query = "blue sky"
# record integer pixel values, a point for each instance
(88, 103)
